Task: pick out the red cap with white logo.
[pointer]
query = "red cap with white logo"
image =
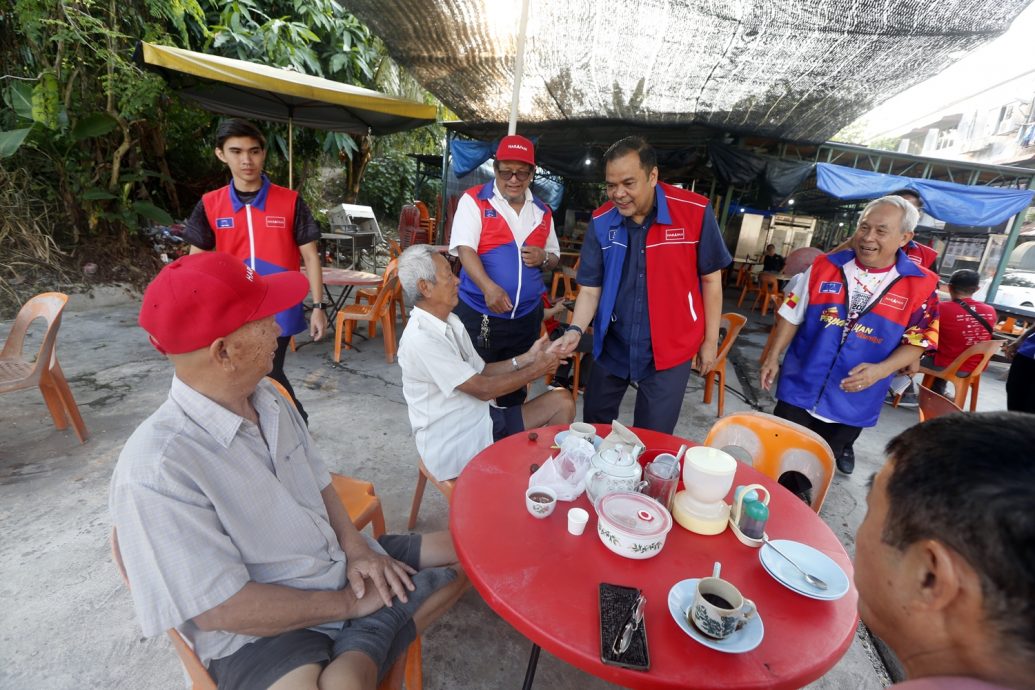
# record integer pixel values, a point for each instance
(201, 297)
(516, 148)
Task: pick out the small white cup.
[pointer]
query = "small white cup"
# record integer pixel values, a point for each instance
(577, 519)
(583, 430)
(537, 506)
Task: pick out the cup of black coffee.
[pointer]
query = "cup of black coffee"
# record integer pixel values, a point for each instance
(540, 501)
(719, 609)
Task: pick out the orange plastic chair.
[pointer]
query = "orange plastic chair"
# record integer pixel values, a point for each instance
(935, 405)
(368, 295)
(394, 250)
(731, 323)
(963, 382)
(410, 230)
(565, 275)
(380, 310)
(18, 373)
(769, 293)
(445, 486)
(774, 446)
(750, 285)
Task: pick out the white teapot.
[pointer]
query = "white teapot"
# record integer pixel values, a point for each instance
(613, 469)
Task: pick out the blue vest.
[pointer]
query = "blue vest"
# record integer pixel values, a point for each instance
(816, 360)
(501, 257)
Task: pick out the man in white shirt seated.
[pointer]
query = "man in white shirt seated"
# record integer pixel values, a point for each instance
(446, 383)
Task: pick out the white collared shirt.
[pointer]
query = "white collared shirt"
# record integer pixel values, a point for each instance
(450, 426)
(467, 222)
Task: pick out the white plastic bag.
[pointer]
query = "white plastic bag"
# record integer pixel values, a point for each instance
(566, 473)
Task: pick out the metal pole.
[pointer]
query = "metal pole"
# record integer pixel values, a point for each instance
(519, 66)
(291, 153)
(1011, 242)
(440, 235)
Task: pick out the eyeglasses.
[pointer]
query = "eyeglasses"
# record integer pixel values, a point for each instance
(522, 175)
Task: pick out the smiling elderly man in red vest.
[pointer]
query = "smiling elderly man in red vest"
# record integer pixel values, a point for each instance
(650, 283)
(854, 319)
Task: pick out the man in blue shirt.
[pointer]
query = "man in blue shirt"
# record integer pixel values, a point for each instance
(649, 280)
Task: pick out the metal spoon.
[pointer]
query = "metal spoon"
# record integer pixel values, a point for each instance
(809, 577)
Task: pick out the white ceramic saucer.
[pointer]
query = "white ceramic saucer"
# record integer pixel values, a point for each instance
(561, 435)
(744, 640)
(810, 559)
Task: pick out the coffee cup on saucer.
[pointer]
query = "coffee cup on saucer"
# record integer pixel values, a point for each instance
(719, 609)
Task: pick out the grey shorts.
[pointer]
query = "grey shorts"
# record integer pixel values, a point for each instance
(261, 663)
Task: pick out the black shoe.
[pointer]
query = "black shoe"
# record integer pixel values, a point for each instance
(846, 463)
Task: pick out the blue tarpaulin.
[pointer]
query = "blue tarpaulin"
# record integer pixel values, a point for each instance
(468, 156)
(947, 201)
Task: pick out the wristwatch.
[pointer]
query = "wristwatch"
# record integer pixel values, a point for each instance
(573, 327)
(321, 305)
(514, 363)
(546, 260)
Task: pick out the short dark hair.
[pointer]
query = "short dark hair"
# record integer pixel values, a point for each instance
(965, 281)
(639, 146)
(909, 192)
(967, 480)
(237, 127)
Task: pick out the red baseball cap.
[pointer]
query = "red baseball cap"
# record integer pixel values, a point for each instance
(201, 297)
(516, 148)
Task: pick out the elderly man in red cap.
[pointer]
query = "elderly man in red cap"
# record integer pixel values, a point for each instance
(505, 239)
(227, 521)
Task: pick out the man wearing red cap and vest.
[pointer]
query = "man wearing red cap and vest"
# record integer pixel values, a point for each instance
(505, 239)
(265, 225)
(650, 283)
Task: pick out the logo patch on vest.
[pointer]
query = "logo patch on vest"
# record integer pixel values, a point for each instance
(611, 234)
(673, 234)
(831, 288)
(276, 222)
(894, 301)
(489, 213)
(224, 223)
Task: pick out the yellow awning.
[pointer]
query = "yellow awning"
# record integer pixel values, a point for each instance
(248, 89)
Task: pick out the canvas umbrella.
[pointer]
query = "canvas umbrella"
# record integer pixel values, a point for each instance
(248, 89)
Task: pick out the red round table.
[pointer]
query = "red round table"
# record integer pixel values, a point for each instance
(544, 581)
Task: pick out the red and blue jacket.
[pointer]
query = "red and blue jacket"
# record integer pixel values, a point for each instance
(674, 300)
(817, 359)
(501, 256)
(261, 234)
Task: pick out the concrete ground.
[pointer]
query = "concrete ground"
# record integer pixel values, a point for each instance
(67, 619)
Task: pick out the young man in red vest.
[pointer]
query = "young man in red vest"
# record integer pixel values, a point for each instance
(265, 225)
(649, 279)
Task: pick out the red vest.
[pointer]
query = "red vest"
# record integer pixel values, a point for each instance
(269, 222)
(674, 299)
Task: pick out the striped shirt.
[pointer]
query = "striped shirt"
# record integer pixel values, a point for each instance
(205, 501)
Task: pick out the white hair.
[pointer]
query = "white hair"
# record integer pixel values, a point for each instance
(910, 216)
(416, 263)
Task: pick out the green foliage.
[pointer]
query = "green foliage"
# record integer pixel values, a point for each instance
(388, 184)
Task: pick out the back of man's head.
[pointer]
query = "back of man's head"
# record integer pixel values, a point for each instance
(968, 481)
(964, 282)
(236, 127)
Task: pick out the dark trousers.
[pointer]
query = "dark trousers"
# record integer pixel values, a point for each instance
(838, 436)
(277, 374)
(1020, 385)
(507, 338)
(658, 399)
